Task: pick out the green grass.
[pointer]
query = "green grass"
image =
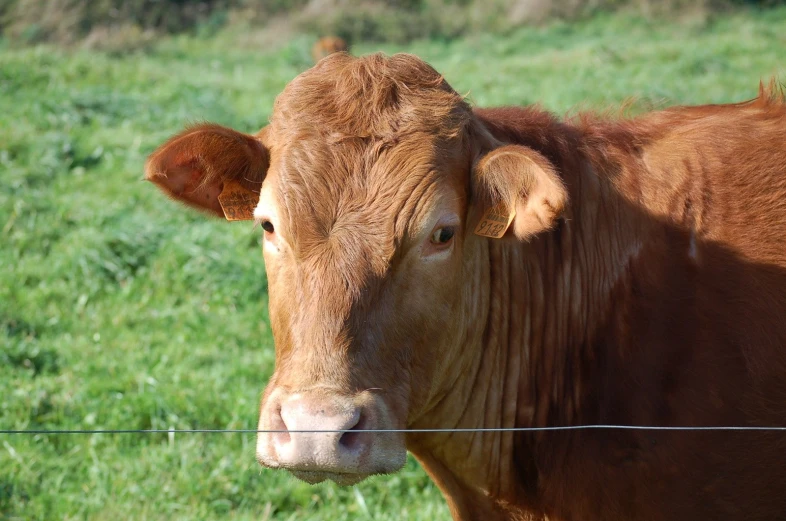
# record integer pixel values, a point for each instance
(120, 310)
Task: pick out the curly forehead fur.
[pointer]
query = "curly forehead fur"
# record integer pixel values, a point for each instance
(370, 97)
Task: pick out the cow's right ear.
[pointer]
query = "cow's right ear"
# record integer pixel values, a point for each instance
(194, 166)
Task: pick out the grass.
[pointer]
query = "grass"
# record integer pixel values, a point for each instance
(120, 310)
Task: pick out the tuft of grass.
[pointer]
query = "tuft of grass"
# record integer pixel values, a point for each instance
(120, 310)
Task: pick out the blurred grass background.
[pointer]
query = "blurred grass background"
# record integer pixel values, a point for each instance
(119, 309)
(121, 25)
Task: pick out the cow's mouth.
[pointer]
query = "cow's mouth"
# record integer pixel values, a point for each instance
(339, 478)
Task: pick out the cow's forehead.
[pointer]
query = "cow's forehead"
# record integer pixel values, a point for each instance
(357, 191)
(374, 97)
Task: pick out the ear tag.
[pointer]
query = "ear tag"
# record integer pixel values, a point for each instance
(495, 222)
(238, 202)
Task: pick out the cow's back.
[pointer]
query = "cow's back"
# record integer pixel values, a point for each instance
(728, 165)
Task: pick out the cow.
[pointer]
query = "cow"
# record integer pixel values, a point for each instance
(328, 45)
(433, 265)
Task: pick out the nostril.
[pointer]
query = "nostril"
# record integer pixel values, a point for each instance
(351, 439)
(282, 437)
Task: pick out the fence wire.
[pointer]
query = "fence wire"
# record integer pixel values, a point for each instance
(404, 431)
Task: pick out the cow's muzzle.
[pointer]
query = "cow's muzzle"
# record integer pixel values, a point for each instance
(346, 453)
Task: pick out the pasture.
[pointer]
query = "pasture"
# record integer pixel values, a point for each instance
(120, 311)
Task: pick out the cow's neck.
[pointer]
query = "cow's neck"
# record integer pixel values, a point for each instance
(542, 303)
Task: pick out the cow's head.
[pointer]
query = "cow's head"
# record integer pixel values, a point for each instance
(372, 176)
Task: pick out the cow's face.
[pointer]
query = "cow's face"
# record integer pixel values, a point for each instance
(373, 171)
(363, 238)
(363, 277)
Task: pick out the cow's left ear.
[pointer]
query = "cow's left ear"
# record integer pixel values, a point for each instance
(518, 189)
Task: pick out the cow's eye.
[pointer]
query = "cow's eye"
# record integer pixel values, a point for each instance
(268, 226)
(442, 235)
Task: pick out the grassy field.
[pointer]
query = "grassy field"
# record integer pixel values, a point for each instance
(120, 310)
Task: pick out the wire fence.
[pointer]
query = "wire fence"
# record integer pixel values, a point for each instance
(381, 431)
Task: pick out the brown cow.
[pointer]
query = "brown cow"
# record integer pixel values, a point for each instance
(642, 281)
(328, 45)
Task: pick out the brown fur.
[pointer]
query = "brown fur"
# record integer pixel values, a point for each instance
(328, 45)
(193, 166)
(650, 294)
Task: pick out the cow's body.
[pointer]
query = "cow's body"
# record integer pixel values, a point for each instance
(642, 282)
(659, 300)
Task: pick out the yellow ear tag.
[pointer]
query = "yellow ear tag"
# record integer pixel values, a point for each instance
(495, 222)
(237, 202)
